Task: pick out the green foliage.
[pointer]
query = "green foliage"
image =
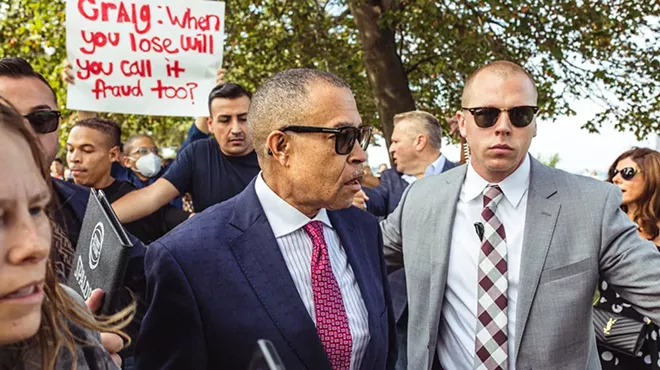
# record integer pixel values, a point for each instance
(574, 49)
(551, 161)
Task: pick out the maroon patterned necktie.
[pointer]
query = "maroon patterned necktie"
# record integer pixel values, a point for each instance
(331, 319)
(491, 334)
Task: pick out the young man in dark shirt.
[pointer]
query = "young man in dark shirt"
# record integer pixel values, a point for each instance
(212, 170)
(92, 147)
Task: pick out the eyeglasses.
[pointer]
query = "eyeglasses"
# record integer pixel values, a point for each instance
(345, 137)
(627, 173)
(44, 121)
(142, 151)
(519, 116)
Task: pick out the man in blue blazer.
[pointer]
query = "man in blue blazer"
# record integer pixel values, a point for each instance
(415, 147)
(286, 260)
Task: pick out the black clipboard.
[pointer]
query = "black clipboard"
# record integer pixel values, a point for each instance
(102, 253)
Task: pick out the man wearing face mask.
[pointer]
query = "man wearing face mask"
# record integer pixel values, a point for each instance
(141, 164)
(211, 170)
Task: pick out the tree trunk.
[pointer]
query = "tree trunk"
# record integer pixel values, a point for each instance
(387, 78)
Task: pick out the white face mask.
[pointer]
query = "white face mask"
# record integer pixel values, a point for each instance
(148, 165)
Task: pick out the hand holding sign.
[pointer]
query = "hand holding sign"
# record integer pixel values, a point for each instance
(141, 57)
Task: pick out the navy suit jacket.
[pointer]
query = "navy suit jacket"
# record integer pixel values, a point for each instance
(383, 200)
(218, 283)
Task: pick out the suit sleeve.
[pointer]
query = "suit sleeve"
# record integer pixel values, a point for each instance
(391, 322)
(391, 227)
(378, 198)
(172, 335)
(628, 262)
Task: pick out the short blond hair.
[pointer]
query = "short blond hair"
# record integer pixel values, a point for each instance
(426, 122)
(500, 67)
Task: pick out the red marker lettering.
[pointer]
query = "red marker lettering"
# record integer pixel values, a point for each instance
(88, 68)
(155, 43)
(140, 68)
(101, 90)
(200, 43)
(122, 13)
(175, 92)
(188, 21)
(98, 40)
(81, 9)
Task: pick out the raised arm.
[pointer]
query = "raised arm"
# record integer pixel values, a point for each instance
(143, 202)
(67, 77)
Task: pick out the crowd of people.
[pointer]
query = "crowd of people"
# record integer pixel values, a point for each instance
(499, 263)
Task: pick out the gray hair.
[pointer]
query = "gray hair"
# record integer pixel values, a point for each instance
(283, 100)
(426, 122)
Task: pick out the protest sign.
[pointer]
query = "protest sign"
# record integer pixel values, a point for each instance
(144, 56)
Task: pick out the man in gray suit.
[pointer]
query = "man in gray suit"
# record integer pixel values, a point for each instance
(503, 254)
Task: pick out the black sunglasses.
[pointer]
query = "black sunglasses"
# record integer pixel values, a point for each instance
(44, 121)
(519, 116)
(345, 137)
(627, 173)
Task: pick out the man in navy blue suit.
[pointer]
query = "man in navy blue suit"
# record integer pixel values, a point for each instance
(415, 147)
(287, 259)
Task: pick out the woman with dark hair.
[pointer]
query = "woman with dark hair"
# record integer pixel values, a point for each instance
(43, 325)
(637, 173)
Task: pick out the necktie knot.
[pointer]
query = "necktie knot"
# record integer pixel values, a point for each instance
(492, 196)
(315, 230)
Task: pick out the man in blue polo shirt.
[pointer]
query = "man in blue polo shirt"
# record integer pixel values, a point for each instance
(211, 170)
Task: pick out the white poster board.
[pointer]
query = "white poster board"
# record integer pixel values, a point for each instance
(154, 57)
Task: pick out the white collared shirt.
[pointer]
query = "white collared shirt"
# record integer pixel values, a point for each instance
(296, 247)
(434, 168)
(456, 345)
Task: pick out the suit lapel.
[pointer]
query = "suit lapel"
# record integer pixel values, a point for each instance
(353, 242)
(439, 241)
(540, 221)
(258, 256)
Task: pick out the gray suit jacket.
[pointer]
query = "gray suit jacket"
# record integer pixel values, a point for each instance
(574, 232)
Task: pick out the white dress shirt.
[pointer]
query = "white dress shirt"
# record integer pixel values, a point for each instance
(456, 345)
(434, 168)
(296, 247)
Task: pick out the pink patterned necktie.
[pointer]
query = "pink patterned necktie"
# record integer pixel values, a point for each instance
(491, 341)
(331, 318)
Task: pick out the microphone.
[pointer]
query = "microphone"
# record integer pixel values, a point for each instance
(479, 228)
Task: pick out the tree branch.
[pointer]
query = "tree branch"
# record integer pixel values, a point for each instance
(422, 61)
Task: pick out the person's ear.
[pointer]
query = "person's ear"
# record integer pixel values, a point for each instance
(279, 146)
(114, 154)
(125, 161)
(209, 123)
(420, 142)
(460, 116)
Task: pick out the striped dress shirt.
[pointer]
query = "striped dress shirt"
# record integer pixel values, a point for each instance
(296, 247)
